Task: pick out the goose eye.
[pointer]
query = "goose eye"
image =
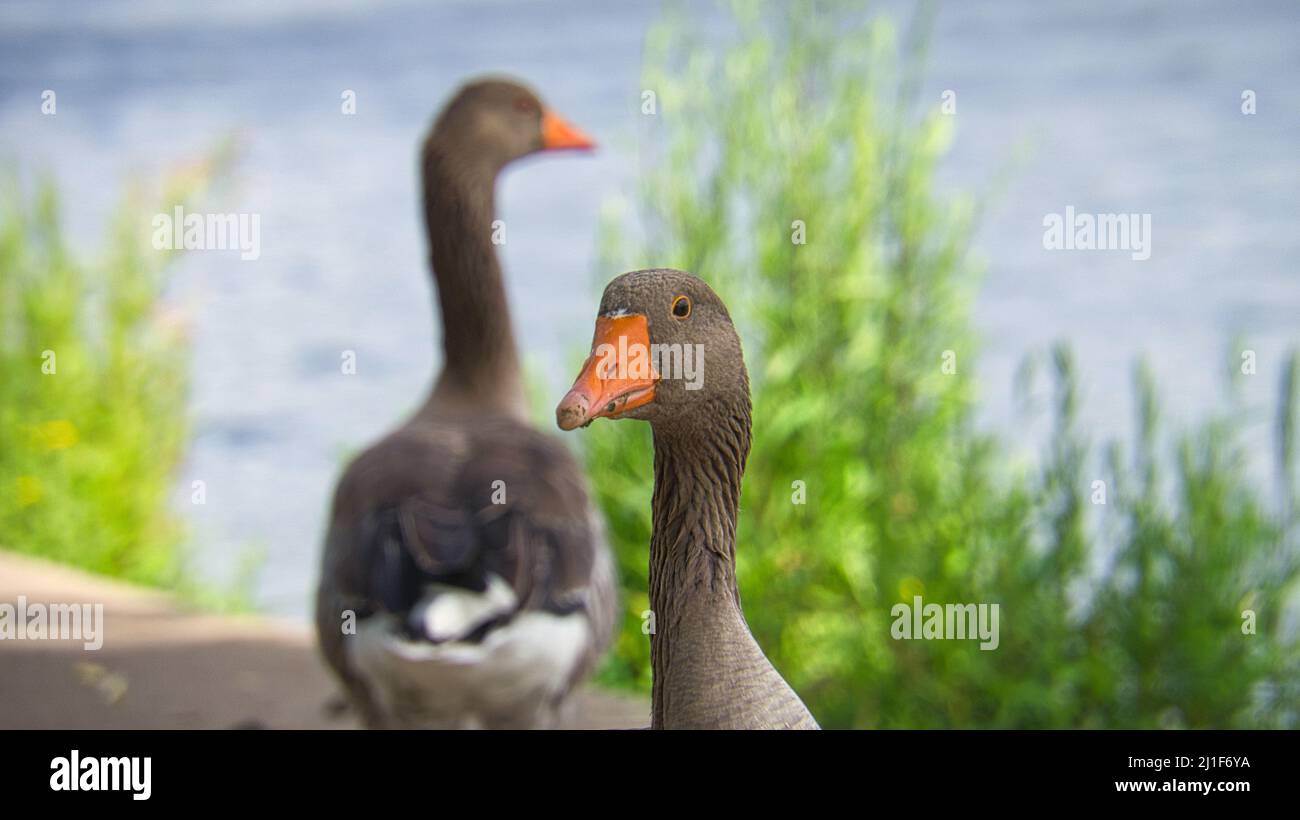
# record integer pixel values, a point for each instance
(682, 307)
(524, 104)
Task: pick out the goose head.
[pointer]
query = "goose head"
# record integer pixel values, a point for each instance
(664, 351)
(502, 121)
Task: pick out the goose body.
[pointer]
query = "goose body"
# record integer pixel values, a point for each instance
(465, 581)
(709, 671)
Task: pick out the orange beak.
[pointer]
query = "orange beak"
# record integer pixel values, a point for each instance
(617, 377)
(558, 133)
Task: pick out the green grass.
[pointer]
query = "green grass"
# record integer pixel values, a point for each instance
(94, 369)
(1122, 615)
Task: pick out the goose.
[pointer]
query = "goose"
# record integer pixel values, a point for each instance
(708, 671)
(465, 581)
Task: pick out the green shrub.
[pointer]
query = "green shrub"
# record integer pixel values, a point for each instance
(806, 114)
(93, 380)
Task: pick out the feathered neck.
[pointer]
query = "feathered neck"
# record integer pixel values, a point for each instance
(480, 365)
(698, 469)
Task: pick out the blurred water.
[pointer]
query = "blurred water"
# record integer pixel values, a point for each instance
(1127, 106)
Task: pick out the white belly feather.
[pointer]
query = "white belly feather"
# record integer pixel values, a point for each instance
(515, 676)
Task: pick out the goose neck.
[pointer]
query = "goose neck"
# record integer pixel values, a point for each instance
(693, 592)
(480, 361)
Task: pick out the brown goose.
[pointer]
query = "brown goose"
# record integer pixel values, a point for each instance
(465, 580)
(709, 672)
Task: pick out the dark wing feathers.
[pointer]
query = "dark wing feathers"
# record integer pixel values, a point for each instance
(441, 540)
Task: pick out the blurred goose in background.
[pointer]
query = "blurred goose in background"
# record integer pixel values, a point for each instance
(465, 581)
(709, 672)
